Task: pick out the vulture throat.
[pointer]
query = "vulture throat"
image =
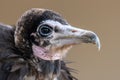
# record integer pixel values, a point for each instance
(36, 47)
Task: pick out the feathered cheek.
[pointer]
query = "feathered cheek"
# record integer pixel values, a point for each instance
(44, 54)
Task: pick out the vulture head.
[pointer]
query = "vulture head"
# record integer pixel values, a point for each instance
(46, 35)
(35, 48)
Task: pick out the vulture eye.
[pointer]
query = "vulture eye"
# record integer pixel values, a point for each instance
(45, 30)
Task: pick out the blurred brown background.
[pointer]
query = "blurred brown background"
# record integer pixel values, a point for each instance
(100, 16)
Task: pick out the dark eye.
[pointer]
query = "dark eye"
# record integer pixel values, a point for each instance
(45, 30)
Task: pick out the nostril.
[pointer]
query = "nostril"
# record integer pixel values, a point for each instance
(74, 31)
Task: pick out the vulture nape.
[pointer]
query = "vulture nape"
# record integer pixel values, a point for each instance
(35, 48)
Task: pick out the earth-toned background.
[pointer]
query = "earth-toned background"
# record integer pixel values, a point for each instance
(100, 16)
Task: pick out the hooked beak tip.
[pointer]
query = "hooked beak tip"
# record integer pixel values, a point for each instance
(97, 42)
(91, 37)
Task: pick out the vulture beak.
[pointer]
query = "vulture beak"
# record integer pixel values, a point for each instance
(73, 36)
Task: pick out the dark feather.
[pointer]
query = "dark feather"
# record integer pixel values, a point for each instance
(14, 65)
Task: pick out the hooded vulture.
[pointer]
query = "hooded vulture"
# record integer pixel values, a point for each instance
(35, 48)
